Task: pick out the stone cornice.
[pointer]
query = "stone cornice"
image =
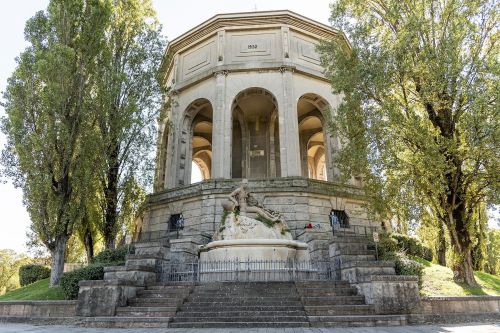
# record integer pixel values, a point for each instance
(247, 20)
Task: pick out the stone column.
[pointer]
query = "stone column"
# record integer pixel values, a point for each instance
(221, 145)
(329, 154)
(171, 167)
(289, 127)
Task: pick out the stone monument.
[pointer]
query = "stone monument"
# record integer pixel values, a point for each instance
(264, 237)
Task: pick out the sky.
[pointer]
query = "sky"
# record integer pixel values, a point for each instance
(176, 16)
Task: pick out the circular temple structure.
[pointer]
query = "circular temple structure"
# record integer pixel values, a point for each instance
(248, 100)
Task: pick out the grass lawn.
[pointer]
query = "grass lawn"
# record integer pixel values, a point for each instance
(438, 281)
(36, 291)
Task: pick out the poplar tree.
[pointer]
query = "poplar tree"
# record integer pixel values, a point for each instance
(128, 98)
(49, 122)
(420, 112)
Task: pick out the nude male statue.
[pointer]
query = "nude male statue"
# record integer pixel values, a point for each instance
(246, 203)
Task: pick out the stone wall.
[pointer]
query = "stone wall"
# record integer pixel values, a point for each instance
(452, 309)
(302, 201)
(37, 309)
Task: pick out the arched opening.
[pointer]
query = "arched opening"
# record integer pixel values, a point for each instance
(196, 143)
(255, 136)
(313, 152)
(196, 173)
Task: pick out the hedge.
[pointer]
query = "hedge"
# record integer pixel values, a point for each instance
(115, 256)
(32, 273)
(411, 246)
(69, 281)
(405, 266)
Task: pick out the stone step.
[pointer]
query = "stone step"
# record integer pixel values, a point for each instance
(326, 292)
(349, 251)
(171, 286)
(340, 248)
(230, 319)
(334, 300)
(154, 302)
(350, 239)
(231, 302)
(124, 322)
(248, 287)
(146, 311)
(355, 257)
(321, 284)
(332, 310)
(354, 321)
(242, 313)
(163, 293)
(270, 293)
(241, 308)
(238, 298)
(249, 323)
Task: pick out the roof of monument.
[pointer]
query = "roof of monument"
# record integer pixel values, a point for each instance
(251, 19)
(246, 20)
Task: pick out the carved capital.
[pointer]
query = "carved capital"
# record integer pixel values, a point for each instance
(284, 69)
(222, 72)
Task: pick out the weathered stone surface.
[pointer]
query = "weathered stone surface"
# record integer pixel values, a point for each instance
(37, 309)
(101, 298)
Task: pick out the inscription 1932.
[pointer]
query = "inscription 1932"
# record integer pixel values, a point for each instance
(252, 46)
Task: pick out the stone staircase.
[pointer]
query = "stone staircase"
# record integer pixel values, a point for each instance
(159, 300)
(376, 280)
(338, 304)
(244, 304)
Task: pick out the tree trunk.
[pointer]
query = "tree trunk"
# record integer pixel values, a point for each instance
(89, 246)
(111, 197)
(441, 246)
(463, 271)
(57, 266)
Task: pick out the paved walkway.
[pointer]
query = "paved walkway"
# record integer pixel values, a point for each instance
(470, 328)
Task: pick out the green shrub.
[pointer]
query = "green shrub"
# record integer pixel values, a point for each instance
(405, 266)
(410, 245)
(69, 281)
(32, 273)
(386, 245)
(115, 256)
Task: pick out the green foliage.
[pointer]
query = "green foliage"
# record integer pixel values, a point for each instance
(128, 100)
(412, 246)
(387, 245)
(32, 273)
(50, 150)
(10, 262)
(225, 214)
(493, 250)
(115, 256)
(419, 117)
(266, 221)
(36, 291)
(69, 281)
(284, 231)
(406, 266)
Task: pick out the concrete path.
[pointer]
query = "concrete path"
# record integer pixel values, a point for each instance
(470, 328)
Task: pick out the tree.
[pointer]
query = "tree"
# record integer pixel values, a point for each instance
(493, 246)
(10, 262)
(128, 99)
(420, 110)
(49, 151)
